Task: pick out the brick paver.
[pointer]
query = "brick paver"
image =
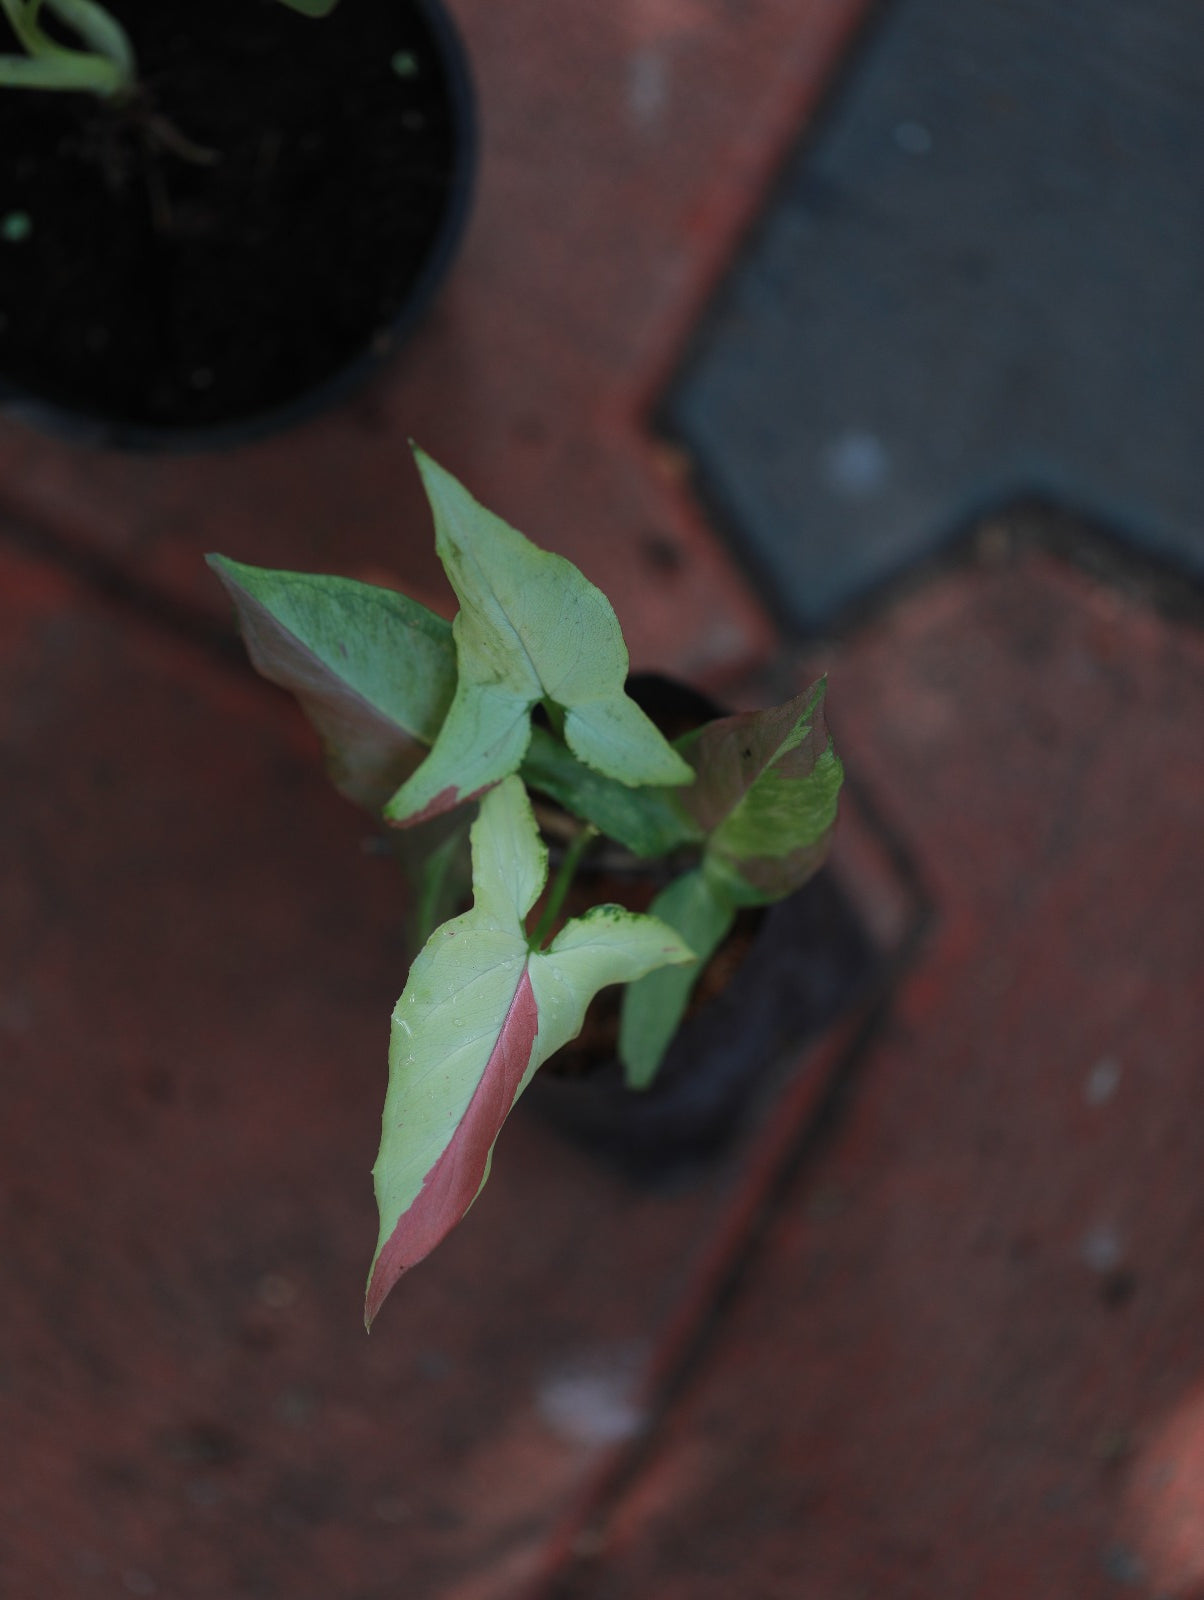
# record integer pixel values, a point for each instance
(968, 1360)
(623, 150)
(197, 964)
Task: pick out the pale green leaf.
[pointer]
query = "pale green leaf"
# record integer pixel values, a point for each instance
(479, 1014)
(607, 945)
(530, 628)
(373, 670)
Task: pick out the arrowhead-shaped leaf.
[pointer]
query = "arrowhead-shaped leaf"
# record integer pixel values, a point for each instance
(479, 1014)
(530, 628)
(374, 671)
(766, 795)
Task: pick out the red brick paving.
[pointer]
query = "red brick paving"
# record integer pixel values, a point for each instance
(964, 1359)
(198, 962)
(968, 1360)
(624, 147)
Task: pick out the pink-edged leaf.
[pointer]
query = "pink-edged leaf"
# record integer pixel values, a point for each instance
(530, 628)
(373, 670)
(479, 1014)
(455, 1180)
(766, 796)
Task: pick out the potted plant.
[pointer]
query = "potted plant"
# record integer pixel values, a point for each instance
(216, 219)
(498, 745)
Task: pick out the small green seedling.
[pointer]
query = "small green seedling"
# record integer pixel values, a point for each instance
(448, 732)
(102, 63)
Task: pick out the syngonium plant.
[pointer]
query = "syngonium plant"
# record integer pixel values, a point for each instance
(447, 732)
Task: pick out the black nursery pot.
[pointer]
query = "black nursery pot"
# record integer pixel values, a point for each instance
(247, 241)
(802, 962)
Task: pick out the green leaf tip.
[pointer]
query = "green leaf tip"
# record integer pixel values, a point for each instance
(530, 628)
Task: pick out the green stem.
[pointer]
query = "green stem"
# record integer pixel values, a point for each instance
(555, 717)
(561, 885)
(106, 69)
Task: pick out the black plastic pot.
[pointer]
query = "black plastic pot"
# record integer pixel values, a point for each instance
(194, 296)
(808, 959)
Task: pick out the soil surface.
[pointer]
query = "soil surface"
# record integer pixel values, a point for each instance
(254, 219)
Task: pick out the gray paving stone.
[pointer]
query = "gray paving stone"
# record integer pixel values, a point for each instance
(980, 280)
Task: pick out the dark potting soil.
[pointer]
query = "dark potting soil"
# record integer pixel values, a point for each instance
(254, 221)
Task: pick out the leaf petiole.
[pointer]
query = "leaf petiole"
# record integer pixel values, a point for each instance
(555, 716)
(561, 885)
